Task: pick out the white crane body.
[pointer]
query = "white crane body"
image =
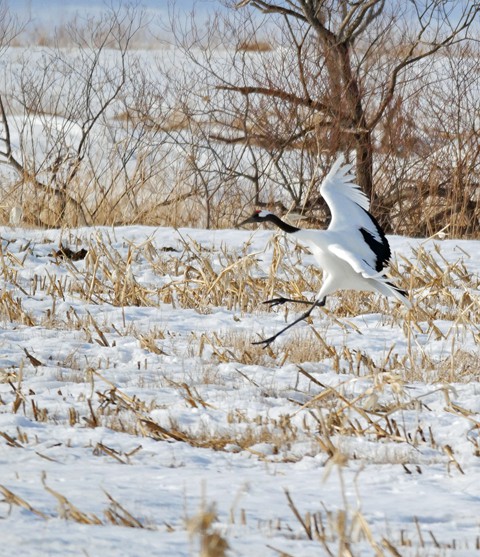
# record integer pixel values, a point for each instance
(353, 252)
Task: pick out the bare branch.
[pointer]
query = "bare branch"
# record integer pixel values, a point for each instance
(270, 8)
(279, 94)
(427, 49)
(359, 18)
(7, 152)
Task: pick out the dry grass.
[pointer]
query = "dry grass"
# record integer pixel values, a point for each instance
(254, 46)
(203, 279)
(336, 532)
(114, 513)
(201, 526)
(324, 419)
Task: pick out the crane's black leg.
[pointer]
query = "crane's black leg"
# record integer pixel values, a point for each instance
(269, 340)
(281, 300)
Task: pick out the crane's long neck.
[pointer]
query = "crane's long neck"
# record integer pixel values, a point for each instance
(283, 225)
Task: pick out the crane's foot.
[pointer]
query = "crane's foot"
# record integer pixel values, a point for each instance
(281, 300)
(266, 342)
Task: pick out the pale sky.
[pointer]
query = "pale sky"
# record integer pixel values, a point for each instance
(42, 10)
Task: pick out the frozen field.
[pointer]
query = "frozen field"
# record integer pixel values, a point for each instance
(136, 418)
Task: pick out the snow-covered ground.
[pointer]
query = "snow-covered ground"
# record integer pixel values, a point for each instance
(136, 418)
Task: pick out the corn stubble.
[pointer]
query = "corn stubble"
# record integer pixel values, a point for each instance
(202, 279)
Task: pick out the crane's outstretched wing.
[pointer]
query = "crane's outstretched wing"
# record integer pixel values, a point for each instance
(341, 193)
(359, 238)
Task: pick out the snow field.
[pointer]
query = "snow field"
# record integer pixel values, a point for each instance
(137, 418)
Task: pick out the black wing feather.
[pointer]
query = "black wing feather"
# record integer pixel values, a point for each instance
(381, 248)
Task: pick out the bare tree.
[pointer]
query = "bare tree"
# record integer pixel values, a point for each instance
(344, 29)
(66, 135)
(10, 27)
(248, 109)
(334, 75)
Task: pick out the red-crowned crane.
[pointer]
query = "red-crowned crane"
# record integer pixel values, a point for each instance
(352, 252)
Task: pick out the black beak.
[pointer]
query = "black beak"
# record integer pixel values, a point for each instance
(250, 220)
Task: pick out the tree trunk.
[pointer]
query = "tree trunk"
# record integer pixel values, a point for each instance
(364, 168)
(345, 95)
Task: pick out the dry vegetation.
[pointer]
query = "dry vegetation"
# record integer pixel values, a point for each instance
(324, 417)
(114, 143)
(101, 130)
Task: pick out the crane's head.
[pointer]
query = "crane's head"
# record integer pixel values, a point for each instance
(257, 217)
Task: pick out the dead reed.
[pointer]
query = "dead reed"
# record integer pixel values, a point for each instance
(337, 392)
